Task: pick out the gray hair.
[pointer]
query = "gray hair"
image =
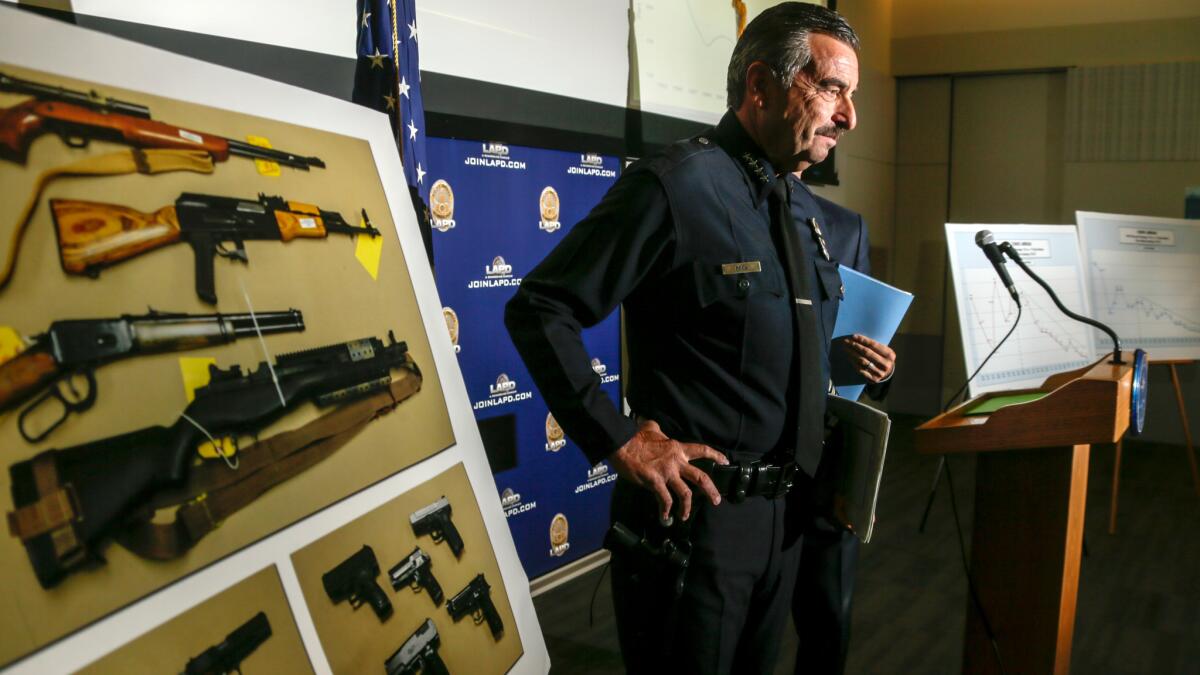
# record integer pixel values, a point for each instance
(779, 38)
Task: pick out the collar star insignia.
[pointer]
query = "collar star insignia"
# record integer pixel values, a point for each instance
(755, 166)
(412, 131)
(404, 87)
(420, 173)
(377, 58)
(412, 30)
(366, 19)
(390, 100)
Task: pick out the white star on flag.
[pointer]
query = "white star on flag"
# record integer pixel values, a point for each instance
(412, 131)
(404, 87)
(366, 18)
(420, 173)
(412, 30)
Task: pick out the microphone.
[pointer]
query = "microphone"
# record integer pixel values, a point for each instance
(1011, 252)
(985, 241)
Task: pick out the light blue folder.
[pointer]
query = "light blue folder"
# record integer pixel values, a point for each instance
(869, 307)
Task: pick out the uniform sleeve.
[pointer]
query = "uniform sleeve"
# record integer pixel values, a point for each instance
(628, 237)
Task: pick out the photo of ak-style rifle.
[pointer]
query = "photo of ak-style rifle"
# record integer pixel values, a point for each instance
(92, 235)
(77, 117)
(74, 348)
(227, 657)
(68, 501)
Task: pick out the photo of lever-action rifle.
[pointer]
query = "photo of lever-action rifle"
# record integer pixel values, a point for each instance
(78, 117)
(74, 348)
(92, 235)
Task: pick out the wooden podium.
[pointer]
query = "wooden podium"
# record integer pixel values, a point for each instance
(1030, 487)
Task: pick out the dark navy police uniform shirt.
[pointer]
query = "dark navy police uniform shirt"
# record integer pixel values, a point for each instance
(710, 347)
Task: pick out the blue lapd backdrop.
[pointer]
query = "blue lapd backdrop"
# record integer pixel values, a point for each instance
(497, 210)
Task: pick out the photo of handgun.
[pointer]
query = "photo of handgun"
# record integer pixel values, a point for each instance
(68, 501)
(418, 654)
(476, 600)
(416, 572)
(77, 117)
(93, 235)
(435, 521)
(354, 580)
(227, 656)
(74, 348)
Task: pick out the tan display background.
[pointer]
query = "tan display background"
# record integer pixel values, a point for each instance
(166, 649)
(355, 641)
(339, 299)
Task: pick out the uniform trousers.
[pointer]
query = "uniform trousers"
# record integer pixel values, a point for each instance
(823, 593)
(738, 590)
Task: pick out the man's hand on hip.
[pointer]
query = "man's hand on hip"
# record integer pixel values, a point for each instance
(652, 461)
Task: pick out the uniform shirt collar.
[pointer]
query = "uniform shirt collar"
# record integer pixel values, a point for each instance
(732, 138)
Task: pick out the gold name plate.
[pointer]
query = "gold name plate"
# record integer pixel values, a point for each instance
(741, 267)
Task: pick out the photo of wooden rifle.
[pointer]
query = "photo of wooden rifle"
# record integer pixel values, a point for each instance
(77, 117)
(92, 235)
(76, 347)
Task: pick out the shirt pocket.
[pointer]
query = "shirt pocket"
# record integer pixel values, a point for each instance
(712, 285)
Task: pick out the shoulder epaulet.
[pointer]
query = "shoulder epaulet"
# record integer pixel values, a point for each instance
(678, 153)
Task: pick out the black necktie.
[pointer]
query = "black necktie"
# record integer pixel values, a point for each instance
(807, 391)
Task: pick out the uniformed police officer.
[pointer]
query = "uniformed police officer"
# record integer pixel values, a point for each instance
(725, 373)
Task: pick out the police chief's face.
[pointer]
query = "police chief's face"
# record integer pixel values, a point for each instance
(817, 109)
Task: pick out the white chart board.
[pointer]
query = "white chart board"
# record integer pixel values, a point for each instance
(1144, 277)
(683, 50)
(1046, 341)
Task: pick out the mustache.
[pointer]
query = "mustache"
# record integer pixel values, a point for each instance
(833, 131)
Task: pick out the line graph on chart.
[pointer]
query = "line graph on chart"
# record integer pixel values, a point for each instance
(1045, 342)
(1151, 299)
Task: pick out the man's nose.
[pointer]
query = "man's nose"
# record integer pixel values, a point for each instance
(845, 116)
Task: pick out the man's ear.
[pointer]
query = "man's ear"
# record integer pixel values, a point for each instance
(760, 85)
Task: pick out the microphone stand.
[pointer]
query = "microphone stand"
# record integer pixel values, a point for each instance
(1011, 252)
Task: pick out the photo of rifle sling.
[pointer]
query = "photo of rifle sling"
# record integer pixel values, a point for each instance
(212, 492)
(209, 493)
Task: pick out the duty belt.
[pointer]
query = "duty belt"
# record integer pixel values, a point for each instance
(738, 480)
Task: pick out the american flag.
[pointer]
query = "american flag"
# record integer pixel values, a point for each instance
(388, 79)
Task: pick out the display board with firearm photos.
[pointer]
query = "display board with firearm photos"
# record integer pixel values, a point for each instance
(413, 585)
(215, 328)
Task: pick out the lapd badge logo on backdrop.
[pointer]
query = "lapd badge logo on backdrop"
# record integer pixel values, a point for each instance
(555, 438)
(558, 535)
(452, 327)
(498, 269)
(548, 204)
(441, 205)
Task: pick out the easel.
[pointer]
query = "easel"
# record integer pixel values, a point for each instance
(1187, 435)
